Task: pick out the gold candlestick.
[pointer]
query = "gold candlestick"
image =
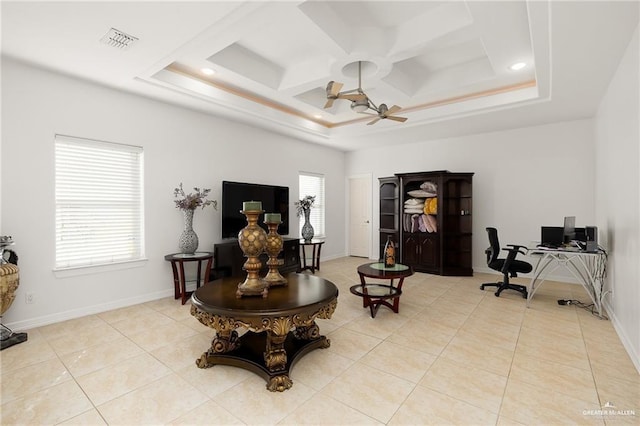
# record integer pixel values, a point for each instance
(252, 240)
(273, 249)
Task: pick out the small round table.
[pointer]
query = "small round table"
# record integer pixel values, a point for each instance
(177, 265)
(281, 327)
(374, 294)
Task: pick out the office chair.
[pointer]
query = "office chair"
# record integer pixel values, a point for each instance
(509, 266)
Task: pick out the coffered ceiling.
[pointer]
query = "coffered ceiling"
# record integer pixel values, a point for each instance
(445, 63)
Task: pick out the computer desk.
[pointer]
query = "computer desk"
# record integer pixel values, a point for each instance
(589, 268)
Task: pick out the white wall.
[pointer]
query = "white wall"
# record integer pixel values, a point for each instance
(524, 178)
(617, 195)
(179, 146)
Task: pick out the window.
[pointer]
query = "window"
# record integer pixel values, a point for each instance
(313, 184)
(99, 203)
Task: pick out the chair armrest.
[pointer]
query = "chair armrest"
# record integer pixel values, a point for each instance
(518, 248)
(513, 252)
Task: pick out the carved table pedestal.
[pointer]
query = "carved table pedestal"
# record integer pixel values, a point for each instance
(281, 327)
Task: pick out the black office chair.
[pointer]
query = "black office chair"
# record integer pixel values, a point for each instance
(508, 266)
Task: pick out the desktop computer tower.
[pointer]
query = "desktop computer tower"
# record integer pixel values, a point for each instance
(591, 234)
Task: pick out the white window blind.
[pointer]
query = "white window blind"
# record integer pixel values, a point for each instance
(99, 203)
(313, 184)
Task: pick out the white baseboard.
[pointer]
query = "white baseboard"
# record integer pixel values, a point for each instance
(626, 342)
(327, 258)
(89, 310)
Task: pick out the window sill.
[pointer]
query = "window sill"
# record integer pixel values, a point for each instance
(97, 269)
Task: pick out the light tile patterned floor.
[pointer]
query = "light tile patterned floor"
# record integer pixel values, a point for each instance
(453, 355)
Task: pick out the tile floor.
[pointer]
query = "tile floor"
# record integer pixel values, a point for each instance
(453, 355)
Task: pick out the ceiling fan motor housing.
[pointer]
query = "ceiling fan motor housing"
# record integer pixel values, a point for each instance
(360, 105)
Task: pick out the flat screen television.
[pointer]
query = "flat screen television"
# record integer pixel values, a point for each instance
(275, 199)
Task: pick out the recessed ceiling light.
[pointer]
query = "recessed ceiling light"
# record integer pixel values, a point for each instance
(207, 71)
(317, 116)
(518, 66)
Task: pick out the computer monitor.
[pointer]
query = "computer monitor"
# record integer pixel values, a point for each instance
(551, 236)
(569, 232)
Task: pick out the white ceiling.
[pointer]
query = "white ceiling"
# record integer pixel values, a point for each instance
(446, 63)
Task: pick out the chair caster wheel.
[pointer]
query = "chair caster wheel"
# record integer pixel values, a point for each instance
(497, 293)
(482, 287)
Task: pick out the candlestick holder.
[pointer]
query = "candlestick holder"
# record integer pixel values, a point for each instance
(273, 249)
(252, 240)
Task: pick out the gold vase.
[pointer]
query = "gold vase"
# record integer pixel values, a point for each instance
(252, 240)
(273, 249)
(9, 282)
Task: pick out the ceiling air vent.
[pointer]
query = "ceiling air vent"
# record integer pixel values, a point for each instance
(119, 39)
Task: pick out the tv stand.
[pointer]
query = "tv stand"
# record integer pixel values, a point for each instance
(228, 258)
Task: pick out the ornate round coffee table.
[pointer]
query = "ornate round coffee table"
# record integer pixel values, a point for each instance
(373, 294)
(281, 327)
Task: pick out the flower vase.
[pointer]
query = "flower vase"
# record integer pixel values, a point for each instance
(188, 242)
(307, 229)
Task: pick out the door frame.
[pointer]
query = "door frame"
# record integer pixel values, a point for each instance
(368, 177)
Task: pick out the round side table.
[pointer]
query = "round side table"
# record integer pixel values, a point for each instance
(177, 265)
(374, 295)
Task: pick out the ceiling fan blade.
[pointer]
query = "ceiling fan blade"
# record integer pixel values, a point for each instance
(329, 103)
(374, 121)
(393, 109)
(394, 118)
(353, 97)
(333, 88)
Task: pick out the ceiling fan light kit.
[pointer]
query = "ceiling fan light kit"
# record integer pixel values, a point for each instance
(360, 105)
(360, 102)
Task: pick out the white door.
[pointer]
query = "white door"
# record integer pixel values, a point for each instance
(359, 216)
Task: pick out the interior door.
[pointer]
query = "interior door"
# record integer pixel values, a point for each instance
(360, 216)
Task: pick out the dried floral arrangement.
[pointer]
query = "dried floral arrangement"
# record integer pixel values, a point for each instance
(193, 200)
(305, 204)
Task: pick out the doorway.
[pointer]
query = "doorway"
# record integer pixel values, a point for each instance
(360, 216)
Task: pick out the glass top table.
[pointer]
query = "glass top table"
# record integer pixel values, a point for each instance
(375, 295)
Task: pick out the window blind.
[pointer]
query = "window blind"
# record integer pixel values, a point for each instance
(99, 202)
(313, 184)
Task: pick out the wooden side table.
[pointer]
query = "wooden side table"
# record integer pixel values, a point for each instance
(316, 246)
(177, 265)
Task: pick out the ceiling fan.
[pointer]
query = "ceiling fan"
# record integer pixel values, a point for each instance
(333, 93)
(360, 102)
(384, 112)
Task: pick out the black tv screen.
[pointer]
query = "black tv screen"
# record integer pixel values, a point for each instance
(275, 199)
